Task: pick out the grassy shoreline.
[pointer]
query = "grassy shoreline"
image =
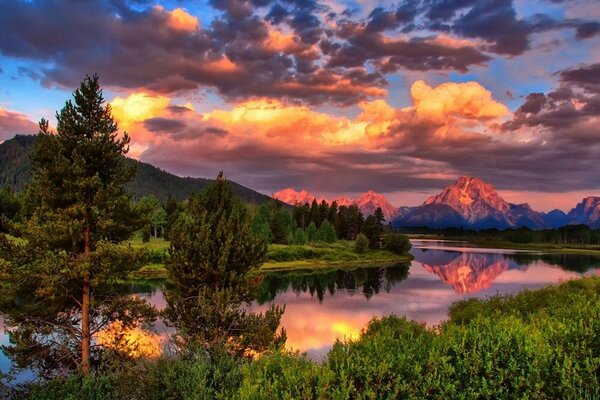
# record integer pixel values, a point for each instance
(317, 256)
(501, 244)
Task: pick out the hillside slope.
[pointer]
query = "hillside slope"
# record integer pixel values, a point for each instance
(149, 180)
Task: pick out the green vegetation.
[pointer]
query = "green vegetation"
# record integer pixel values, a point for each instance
(212, 250)
(61, 284)
(323, 255)
(361, 244)
(316, 255)
(536, 344)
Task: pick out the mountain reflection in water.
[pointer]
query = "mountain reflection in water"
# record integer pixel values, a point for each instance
(325, 305)
(322, 306)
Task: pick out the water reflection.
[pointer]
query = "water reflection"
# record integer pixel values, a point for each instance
(324, 305)
(368, 281)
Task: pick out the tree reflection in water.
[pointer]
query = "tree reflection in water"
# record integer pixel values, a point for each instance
(367, 280)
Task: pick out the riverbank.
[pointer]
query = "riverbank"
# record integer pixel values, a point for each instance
(487, 242)
(340, 254)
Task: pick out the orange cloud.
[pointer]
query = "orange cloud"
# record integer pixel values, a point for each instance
(279, 41)
(137, 107)
(450, 110)
(179, 19)
(273, 120)
(223, 65)
(467, 100)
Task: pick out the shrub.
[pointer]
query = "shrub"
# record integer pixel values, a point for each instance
(283, 376)
(396, 243)
(361, 243)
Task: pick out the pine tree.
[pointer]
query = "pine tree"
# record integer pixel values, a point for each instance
(373, 228)
(311, 232)
(326, 232)
(70, 267)
(212, 250)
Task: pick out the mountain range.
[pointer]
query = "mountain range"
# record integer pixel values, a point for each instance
(474, 204)
(468, 203)
(148, 180)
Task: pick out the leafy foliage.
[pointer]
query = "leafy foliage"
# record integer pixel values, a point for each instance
(397, 243)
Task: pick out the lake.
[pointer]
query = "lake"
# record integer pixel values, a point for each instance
(324, 305)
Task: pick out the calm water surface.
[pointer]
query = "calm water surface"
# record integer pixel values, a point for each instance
(325, 305)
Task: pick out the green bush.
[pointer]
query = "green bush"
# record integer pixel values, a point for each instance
(284, 376)
(396, 243)
(535, 345)
(361, 244)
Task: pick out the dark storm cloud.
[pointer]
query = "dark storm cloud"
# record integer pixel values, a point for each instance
(588, 29)
(421, 54)
(163, 125)
(140, 49)
(496, 21)
(533, 103)
(336, 58)
(582, 75)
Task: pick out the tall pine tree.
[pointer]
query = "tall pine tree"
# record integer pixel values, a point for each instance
(63, 285)
(212, 250)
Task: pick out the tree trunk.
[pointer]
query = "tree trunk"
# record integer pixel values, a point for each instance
(85, 309)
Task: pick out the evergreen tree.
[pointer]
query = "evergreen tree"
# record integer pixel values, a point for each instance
(361, 243)
(326, 232)
(332, 215)
(379, 217)
(313, 214)
(301, 214)
(323, 212)
(212, 250)
(373, 230)
(64, 283)
(300, 236)
(261, 223)
(311, 232)
(10, 206)
(172, 209)
(353, 222)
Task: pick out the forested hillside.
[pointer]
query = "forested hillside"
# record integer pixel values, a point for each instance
(149, 180)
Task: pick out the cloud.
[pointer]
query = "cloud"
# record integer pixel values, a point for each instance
(268, 144)
(582, 75)
(298, 51)
(137, 107)
(467, 100)
(13, 123)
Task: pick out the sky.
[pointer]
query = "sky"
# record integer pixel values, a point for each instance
(334, 96)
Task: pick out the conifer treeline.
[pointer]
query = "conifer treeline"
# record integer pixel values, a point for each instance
(316, 222)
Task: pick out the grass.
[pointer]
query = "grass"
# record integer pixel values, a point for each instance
(339, 254)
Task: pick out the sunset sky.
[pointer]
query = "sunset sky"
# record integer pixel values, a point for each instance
(333, 96)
